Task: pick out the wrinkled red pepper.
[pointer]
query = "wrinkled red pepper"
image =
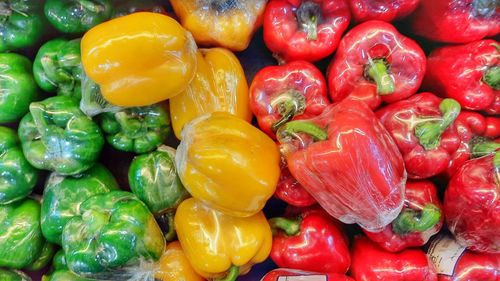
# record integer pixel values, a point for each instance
(475, 266)
(456, 21)
(468, 73)
(420, 218)
(280, 273)
(305, 29)
(375, 56)
(384, 10)
(348, 162)
(372, 263)
(291, 191)
(278, 94)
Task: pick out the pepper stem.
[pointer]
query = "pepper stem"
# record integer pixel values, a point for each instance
(483, 146)
(492, 77)
(290, 227)
(288, 104)
(232, 274)
(91, 6)
(302, 126)
(308, 15)
(484, 8)
(410, 220)
(378, 71)
(429, 132)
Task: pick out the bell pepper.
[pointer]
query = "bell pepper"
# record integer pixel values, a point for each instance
(305, 29)
(63, 196)
(311, 241)
(122, 8)
(468, 73)
(23, 24)
(136, 129)
(384, 10)
(18, 177)
(492, 127)
(375, 56)
(59, 260)
(221, 246)
(291, 191)
(219, 85)
(348, 162)
(471, 204)
(174, 265)
(372, 263)
(77, 16)
(453, 21)
(13, 275)
(109, 58)
(57, 136)
(18, 86)
(278, 94)
(44, 259)
(221, 23)
(243, 156)
(280, 273)
(111, 230)
(57, 67)
(64, 275)
(420, 219)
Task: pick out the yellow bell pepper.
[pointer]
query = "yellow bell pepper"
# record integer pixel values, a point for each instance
(219, 245)
(174, 265)
(228, 164)
(139, 59)
(219, 85)
(222, 23)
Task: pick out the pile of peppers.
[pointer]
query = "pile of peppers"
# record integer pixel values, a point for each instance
(272, 140)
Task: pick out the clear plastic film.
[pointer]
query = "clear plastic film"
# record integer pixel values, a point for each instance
(92, 102)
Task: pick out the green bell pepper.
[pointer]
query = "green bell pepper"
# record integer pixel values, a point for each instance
(13, 275)
(62, 197)
(58, 67)
(22, 24)
(77, 16)
(17, 177)
(136, 129)
(44, 258)
(57, 136)
(114, 229)
(64, 275)
(59, 261)
(18, 88)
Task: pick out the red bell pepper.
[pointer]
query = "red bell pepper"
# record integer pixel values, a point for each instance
(348, 162)
(492, 127)
(304, 29)
(278, 94)
(291, 191)
(280, 274)
(384, 10)
(420, 218)
(468, 73)
(372, 263)
(375, 56)
(456, 21)
(472, 204)
(311, 241)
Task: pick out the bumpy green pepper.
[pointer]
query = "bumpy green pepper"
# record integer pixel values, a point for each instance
(21, 23)
(59, 261)
(58, 68)
(17, 86)
(62, 197)
(17, 176)
(136, 129)
(13, 275)
(64, 275)
(77, 16)
(57, 136)
(113, 229)
(44, 258)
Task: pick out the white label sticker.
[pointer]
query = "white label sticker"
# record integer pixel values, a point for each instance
(444, 252)
(303, 278)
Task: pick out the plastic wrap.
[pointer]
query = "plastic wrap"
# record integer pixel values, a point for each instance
(13, 275)
(348, 162)
(92, 102)
(385, 10)
(291, 191)
(123, 8)
(57, 136)
(224, 23)
(286, 274)
(65, 275)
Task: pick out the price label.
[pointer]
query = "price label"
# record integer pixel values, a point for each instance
(444, 252)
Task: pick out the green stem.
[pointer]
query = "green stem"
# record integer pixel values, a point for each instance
(429, 132)
(484, 8)
(91, 6)
(378, 71)
(308, 15)
(290, 227)
(410, 220)
(302, 126)
(232, 274)
(288, 104)
(483, 146)
(496, 160)
(130, 126)
(492, 77)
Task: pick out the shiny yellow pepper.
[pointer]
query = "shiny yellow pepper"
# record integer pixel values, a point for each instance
(139, 59)
(222, 23)
(228, 164)
(174, 265)
(219, 246)
(218, 85)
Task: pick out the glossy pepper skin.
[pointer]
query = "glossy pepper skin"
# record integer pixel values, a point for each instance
(214, 141)
(219, 245)
(109, 58)
(111, 230)
(57, 136)
(174, 265)
(275, 275)
(327, 156)
(18, 87)
(468, 73)
(136, 129)
(278, 94)
(375, 63)
(58, 69)
(123, 8)
(305, 29)
(453, 21)
(63, 196)
(221, 23)
(219, 85)
(77, 16)
(475, 266)
(472, 204)
(372, 263)
(291, 191)
(44, 259)
(13, 275)
(421, 217)
(384, 10)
